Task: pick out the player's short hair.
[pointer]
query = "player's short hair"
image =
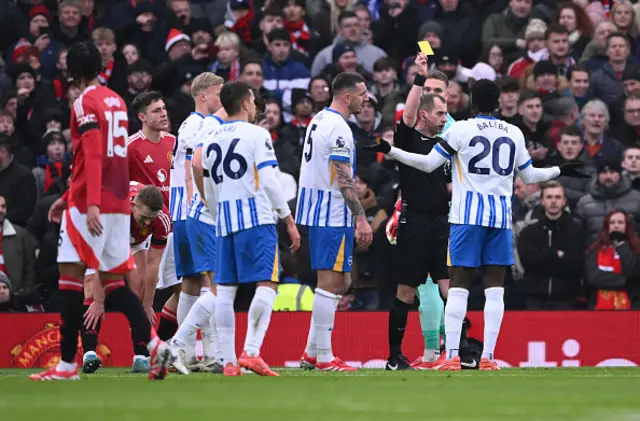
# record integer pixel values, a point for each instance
(203, 81)
(438, 75)
(528, 95)
(578, 68)
(570, 131)
(141, 102)
(233, 94)
(553, 184)
(555, 28)
(485, 96)
(345, 81)
(84, 61)
(103, 35)
(151, 197)
(428, 102)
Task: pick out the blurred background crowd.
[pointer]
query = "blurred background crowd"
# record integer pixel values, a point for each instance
(569, 75)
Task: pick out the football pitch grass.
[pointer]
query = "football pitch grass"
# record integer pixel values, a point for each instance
(369, 395)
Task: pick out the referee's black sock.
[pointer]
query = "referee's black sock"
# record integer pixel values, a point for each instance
(397, 325)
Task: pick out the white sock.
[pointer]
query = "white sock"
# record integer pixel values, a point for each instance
(493, 312)
(454, 313)
(258, 319)
(226, 323)
(63, 366)
(197, 318)
(210, 333)
(323, 316)
(431, 355)
(185, 303)
(312, 348)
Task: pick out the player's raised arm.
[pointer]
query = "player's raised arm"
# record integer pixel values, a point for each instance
(410, 113)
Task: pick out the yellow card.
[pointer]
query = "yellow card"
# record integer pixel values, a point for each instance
(425, 47)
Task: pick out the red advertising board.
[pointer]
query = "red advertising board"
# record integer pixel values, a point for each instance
(527, 339)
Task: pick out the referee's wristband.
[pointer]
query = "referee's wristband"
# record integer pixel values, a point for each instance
(419, 80)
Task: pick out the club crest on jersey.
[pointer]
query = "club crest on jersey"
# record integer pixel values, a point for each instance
(169, 157)
(162, 175)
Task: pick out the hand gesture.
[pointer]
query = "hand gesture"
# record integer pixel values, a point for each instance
(573, 169)
(93, 221)
(55, 211)
(381, 145)
(93, 315)
(422, 64)
(364, 235)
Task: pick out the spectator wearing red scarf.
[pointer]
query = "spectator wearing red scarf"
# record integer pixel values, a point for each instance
(612, 267)
(52, 169)
(296, 26)
(239, 19)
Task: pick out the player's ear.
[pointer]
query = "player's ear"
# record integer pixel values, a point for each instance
(142, 117)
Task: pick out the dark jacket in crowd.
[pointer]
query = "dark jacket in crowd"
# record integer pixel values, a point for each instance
(605, 85)
(625, 134)
(18, 186)
(45, 233)
(548, 276)
(593, 207)
(19, 256)
(575, 188)
(610, 151)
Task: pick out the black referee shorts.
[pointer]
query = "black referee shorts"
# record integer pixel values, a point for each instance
(422, 249)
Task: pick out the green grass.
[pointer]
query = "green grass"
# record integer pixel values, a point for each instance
(370, 395)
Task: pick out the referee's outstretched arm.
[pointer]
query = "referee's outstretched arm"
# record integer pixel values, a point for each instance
(410, 113)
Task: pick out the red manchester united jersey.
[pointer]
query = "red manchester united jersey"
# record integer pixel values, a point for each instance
(150, 162)
(100, 175)
(159, 228)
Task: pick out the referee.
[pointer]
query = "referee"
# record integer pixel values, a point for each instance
(423, 231)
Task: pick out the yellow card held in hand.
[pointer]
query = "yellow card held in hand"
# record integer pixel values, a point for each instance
(425, 47)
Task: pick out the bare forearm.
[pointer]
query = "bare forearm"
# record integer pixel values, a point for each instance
(188, 180)
(98, 291)
(151, 277)
(348, 188)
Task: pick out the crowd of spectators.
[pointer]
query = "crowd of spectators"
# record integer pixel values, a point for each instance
(569, 74)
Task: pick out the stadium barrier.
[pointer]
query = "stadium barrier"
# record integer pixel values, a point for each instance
(528, 339)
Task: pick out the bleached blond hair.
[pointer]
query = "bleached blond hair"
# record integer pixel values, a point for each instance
(203, 81)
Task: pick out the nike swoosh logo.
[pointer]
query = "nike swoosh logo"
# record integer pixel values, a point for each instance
(392, 367)
(470, 365)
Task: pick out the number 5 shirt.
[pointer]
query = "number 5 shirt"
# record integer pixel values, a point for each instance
(320, 202)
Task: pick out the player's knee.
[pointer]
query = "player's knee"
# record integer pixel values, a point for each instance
(191, 285)
(406, 293)
(333, 282)
(269, 284)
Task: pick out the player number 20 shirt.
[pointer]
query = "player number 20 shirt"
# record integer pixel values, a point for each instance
(488, 153)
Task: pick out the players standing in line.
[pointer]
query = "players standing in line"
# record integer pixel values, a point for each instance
(486, 152)
(423, 228)
(244, 190)
(95, 216)
(205, 90)
(201, 228)
(328, 204)
(150, 227)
